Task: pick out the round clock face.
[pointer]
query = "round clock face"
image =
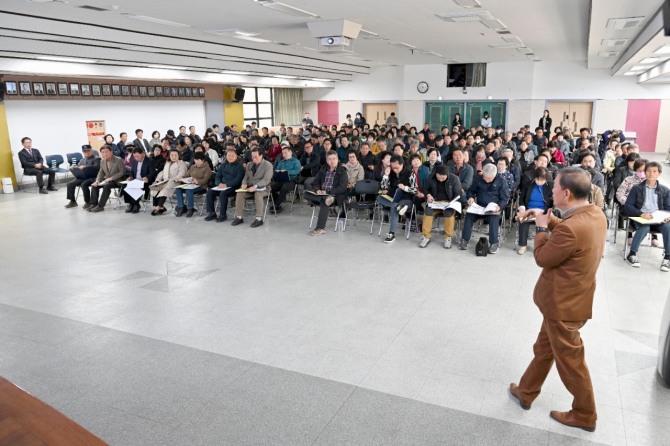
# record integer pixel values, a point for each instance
(422, 87)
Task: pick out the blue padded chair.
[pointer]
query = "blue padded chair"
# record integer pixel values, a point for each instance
(74, 158)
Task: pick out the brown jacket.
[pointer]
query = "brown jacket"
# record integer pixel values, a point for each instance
(569, 260)
(114, 170)
(201, 174)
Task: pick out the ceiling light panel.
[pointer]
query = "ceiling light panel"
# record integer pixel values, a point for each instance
(231, 32)
(495, 25)
(609, 53)
(512, 39)
(66, 59)
(507, 45)
(286, 9)
(468, 3)
(465, 16)
(665, 49)
(145, 18)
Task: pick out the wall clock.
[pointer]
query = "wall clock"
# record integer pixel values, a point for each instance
(422, 87)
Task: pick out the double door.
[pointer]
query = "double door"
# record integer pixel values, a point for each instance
(377, 113)
(442, 113)
(575, 115)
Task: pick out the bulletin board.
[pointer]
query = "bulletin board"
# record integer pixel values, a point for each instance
(95, 130)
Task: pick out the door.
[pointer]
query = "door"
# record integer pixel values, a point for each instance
(442, 113)
(377, 113)
(569, 114)
(328, 112)
(475, 110)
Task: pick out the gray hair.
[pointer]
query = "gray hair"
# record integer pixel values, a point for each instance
(490, 170)
(415, 143)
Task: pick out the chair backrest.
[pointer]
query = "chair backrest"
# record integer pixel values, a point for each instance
(96, 154)
(367, 187)
(74, 158)
(54, 161)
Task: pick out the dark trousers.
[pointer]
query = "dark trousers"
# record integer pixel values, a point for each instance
(223, 200)
(84, 184)
(320, 200)
(279, 191)
(129, 200)
(492, 220)
(160, 201)
(523, 233)
(38, 175)
(104, 196)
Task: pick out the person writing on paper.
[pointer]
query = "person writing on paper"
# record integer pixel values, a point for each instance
(112, 169)
(174, 170)
(199, 174)
(143, 170)
(402, 186)
(228, 179)
(487, 188)
(643, 201)
(281, 185)
(538, 195)
(256, 180)
(569, 259)
(329, 186)
(441, 187)
(84, 178)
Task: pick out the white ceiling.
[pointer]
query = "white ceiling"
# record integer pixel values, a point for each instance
(553, 30)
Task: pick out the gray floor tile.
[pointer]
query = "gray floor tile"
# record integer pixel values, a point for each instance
(367, 418)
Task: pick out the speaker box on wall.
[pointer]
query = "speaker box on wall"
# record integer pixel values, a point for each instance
(239, 94)
(3, 88)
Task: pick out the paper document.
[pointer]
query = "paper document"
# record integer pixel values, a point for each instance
(158, 183)
(135, 184)
(490, 209)
(217, 188)
(186, 180)
(657, 218)
(453, 204)
(189, 186)
(258, 189)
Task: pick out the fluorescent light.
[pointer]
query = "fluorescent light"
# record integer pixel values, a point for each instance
(495, 25)
(639, 68)
(650, 60)
(67, 59)
(241, 73)
(286, 9)
(665, 49)
(285, 76)
(468, 3)
(431, 53)
(252, 39)
(370, 33)
(624, 23)
(631, 73)
(507, 45)
(231, 32)
(167, 67)
(322, 80)
(614, 42)
(145, 18)
(402, 45)
(465, 16)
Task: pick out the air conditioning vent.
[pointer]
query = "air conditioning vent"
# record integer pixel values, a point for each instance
(624, 23)
(614, 42)
(286, 9)
(609, 53)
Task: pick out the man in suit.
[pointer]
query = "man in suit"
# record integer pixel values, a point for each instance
(140, 141)
(33, 164)
(142, 169)
(569, 259)
(256, 181)
(84, 175)
(329, 187)
(111, 171)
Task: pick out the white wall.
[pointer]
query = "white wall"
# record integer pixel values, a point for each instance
(610, 114)
(412, 112)
(382, 84)
(59, 127)
(349, 108)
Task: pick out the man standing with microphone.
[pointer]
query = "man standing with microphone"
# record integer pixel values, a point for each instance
(569, 251)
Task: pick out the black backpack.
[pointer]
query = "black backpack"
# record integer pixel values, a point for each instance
(482, 247)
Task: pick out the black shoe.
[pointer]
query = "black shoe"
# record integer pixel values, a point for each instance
(71, 204)
(256, 223)
(190, 213)
(221, 219)
(237, 221)
(180, 211)
(278, 210)
(52, 189)
(97, 209)
(136, 209)
(87, 206)
(154, 212)
(390, 238)
(129, 208)
(43, 191)
(211, 216)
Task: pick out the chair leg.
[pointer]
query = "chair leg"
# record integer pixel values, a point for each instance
(311, 220)
(625, 243)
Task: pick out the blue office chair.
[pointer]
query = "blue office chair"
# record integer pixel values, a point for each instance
(74, 158)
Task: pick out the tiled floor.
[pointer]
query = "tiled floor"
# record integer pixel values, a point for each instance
(159, 330)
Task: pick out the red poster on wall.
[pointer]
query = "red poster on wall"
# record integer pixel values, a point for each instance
(95, 131)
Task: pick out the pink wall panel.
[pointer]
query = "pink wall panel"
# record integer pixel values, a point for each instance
(642, 118)
(329, 112)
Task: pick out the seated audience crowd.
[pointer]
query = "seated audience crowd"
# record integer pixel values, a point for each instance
(455, 172)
